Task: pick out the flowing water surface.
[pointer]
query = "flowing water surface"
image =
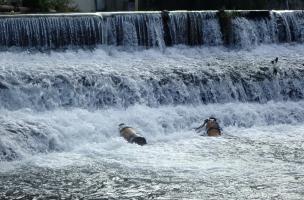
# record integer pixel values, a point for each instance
(67, 81)
(60, 113)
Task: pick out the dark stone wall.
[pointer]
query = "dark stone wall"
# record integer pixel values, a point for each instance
(220, 4)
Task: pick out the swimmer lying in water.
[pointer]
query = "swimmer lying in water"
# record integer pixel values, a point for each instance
(212, 127)
(131, 135)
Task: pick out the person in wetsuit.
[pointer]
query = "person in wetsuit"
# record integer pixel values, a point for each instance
(131, 135)
(212, 127)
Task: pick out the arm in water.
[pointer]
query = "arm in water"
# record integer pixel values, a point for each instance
(199, 129)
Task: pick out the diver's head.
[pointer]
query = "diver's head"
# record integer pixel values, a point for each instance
(212, 118)
(122, 125)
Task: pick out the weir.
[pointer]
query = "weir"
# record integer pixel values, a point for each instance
(97, 90)
(65, 95)
(152, 29)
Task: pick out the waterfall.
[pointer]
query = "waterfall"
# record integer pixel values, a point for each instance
(195, 28)
(132, 80)
(51, 32)
(107, 68)
(294, 24)
(155, 29)
(134, 30)
(249, 32)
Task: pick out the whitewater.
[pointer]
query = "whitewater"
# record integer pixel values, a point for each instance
(67, 146)
(68, 80)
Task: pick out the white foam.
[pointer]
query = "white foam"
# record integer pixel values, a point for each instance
(82, 130)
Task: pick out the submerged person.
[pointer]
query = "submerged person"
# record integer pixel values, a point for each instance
(212, 127)
(131, 135)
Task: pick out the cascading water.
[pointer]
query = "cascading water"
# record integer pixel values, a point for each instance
(50, 32)
(60, 106)
(249, 33)
(133, 30)
(97, 88)
(151, 29)
(195, 28)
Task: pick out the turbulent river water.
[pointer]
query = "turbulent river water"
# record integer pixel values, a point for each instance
(54, 149)
(60, 110)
